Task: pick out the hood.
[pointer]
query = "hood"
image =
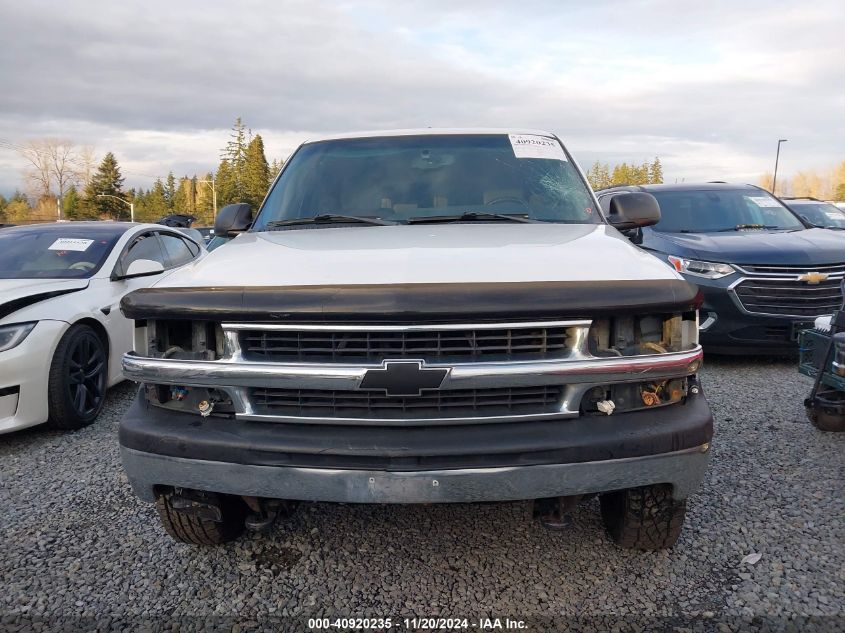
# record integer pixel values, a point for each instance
(785, 248)
(16, 294)
(402, 254)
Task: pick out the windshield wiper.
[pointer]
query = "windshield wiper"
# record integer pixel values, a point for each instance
(473, 215)
(329, 218)
(740, 227)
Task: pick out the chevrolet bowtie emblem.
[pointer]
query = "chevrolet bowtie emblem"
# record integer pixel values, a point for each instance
(403, 378)
(813, 278)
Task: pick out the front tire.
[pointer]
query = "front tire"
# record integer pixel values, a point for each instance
(646, 518)
(78, 379)
(194, 530)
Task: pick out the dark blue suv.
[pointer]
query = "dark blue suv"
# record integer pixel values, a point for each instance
(765, 274)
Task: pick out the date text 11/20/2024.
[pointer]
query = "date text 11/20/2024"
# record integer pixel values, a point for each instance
(416, 623)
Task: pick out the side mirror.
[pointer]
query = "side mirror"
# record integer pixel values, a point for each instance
(233, 219)
(142, 268)
(633, 210)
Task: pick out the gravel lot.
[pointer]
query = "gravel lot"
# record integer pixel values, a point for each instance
(76, 542)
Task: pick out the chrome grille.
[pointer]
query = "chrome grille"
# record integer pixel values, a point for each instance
(435, 343)
(829, 269)
(452, 403)
(789, 297)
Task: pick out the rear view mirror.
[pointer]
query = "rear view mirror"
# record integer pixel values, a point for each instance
(633, 210)
(142, 268)
(233, 219)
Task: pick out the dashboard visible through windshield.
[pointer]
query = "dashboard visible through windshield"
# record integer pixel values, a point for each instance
(722, 210)
(429, 178)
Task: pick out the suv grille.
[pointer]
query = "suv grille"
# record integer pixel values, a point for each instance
(472, 343)
(789, 296)
(829, 269)
(453, 403)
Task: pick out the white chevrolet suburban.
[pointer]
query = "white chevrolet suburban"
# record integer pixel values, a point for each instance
(421, 316)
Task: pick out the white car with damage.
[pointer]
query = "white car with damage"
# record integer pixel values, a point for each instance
(62, 335)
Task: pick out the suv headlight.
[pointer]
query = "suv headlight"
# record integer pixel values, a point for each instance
(708, 270)
(13, 335)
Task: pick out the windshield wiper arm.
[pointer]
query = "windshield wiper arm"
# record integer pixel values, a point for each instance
(740, 227)
(473, 215)
(329, 218)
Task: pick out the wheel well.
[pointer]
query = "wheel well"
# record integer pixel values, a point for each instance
(100, 330)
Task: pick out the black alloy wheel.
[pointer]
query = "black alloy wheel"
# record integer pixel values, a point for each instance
(78, 379)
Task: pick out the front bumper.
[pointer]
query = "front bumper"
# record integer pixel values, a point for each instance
(684, 470)
(24, 377)
(363, 464)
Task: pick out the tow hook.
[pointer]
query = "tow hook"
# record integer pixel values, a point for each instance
(556, 513)
(265, 513)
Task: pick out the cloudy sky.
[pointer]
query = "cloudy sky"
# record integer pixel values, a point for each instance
(708, 87)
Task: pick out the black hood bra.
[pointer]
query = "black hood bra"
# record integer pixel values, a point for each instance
(403, 303)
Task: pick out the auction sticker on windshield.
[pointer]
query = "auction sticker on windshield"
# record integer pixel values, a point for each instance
(535, 146)
(764, 201)
(70, 244)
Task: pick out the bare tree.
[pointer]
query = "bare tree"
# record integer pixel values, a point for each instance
(86, 163)
(53, 162)
(38, 174)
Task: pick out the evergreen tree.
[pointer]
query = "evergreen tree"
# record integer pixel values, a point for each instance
(106, 180)
(275, 168)
(655, 172)
(205, 201)
(71, 203)
(3, 204)
(170, 191)
(235, 155)
(256, 178)
(225, 183)
(185, 199)
(155, 202)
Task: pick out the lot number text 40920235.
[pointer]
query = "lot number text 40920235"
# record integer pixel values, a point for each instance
(416, 623)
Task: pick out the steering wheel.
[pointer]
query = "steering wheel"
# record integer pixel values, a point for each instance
(506, 198)
(82, 266)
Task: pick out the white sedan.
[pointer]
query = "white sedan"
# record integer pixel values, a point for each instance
(62, 335)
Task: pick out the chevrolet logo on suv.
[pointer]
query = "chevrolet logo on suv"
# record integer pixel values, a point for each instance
(813, 278)
(403, 378)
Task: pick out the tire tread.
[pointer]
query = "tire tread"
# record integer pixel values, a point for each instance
(646, 518)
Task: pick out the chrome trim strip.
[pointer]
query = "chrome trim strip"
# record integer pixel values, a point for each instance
(462, 376)
(683, 469)
(329, 327)
(793, 271)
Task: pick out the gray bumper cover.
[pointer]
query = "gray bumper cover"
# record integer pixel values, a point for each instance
(683, 469)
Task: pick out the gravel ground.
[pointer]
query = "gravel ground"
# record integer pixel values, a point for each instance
(76, 542)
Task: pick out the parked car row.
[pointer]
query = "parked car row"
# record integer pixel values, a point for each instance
(422, 316)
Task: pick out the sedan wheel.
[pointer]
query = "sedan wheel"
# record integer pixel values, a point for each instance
(77, 379)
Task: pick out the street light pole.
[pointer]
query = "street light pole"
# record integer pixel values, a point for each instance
(131, 206)
(213, 194)
(777, 158)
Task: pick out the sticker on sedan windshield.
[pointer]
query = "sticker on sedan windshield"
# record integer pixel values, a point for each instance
(70, 244)
(533, 146)
(764, 201)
